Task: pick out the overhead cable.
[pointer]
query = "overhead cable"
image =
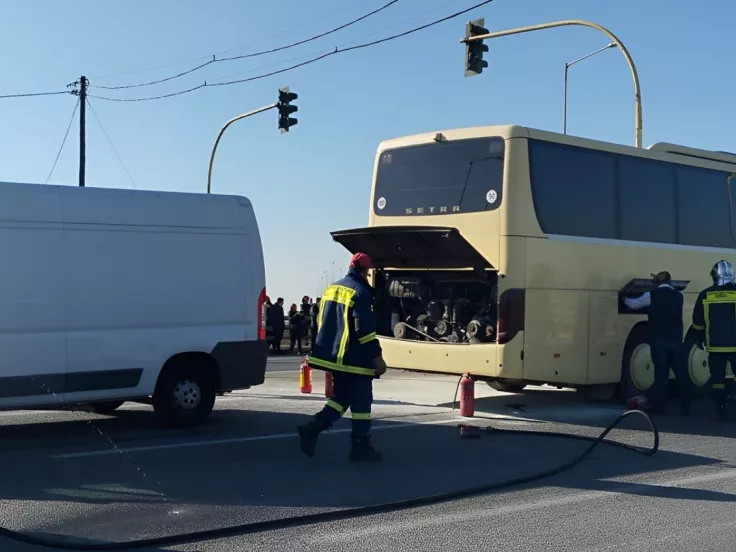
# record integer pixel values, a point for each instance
(58, 154)
(320, 57)
(253, 54)
(250, 43)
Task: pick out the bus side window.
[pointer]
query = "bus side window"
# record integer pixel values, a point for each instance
(732, 203)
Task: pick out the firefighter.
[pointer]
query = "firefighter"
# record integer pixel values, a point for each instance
(346, 346)
(714, 320)
(665, 343)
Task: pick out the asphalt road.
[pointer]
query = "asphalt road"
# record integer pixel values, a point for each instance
(102, 479)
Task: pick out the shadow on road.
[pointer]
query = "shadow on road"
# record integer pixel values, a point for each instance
(174, 489)
(574, 408)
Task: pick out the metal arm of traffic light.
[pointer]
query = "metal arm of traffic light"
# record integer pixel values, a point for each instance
(637, 91)
(222, 131)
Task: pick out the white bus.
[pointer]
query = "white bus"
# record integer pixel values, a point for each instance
(505, 251)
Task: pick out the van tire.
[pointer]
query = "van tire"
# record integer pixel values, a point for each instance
(107, 407)
(507, 386)
(185, 394)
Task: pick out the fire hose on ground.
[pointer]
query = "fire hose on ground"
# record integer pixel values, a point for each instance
(361, 511)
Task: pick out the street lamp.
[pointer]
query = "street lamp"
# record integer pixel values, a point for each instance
(611, 37)
(567, 66)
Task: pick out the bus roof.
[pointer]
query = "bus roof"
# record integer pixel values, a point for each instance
(516, 131)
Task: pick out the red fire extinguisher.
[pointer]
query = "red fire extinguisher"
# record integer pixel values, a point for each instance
(329, 386)
(305, 377)
(467, 396)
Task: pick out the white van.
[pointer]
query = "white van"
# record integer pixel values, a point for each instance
(115, 295)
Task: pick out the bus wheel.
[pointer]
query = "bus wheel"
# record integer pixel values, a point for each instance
(507, 385)
(637, 369)
(697, 365)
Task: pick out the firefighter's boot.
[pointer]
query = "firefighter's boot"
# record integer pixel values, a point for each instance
(309, 433)
(721, 412)
(363, 451)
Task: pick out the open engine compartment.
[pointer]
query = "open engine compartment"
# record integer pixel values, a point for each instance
(437, 305)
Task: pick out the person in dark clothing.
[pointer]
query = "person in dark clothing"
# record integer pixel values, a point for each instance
(714, 320)
(268, 307)
(306, 311)
(347, 347)
(296, 328)
(278, 324)
(315, 318)
(665, 342)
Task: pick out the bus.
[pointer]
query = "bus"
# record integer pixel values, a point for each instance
(505, 252)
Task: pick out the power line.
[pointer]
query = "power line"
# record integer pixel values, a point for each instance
(300, 25)
(58, 154)
(111, 144)
(34, 94)
(333, 52)
(255, 54)
(316, 19)
(320, 52)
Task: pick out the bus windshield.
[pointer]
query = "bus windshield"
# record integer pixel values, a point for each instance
(460, 176)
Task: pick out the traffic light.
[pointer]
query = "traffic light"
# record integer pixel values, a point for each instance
(474, 63)
(286, 109)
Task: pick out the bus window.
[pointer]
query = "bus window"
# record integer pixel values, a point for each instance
(460, 176)
(701, 196)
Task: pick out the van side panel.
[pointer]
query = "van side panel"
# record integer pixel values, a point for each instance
(32, 337)
(152, 276)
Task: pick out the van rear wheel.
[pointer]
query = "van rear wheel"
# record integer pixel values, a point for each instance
(185, 395)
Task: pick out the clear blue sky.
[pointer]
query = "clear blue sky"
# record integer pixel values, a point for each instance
(317, 177)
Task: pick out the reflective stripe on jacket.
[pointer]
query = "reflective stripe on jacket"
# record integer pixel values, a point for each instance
(715, 315)
(346, 328)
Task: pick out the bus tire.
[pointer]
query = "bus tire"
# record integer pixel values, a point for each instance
(185, 393)
(698, 369)
(107, 407)
(507, 386)
(637, 369)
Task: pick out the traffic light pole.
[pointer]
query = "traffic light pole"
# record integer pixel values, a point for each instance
(637, 91)
(224, 128)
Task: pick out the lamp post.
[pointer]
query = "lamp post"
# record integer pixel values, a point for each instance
(611, 37)
(567, 66)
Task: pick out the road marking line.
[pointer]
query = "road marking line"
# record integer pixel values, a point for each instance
(189, 444)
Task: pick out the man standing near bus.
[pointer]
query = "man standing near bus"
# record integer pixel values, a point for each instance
(665, 342)
(346, 346)
(714, 318)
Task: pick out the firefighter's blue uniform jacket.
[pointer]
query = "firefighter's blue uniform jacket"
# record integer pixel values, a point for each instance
(346, 346)
(346, 328)
(714, 318)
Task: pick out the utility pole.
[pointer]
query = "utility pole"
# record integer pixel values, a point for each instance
(83, 83)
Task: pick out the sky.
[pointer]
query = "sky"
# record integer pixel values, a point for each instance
(316, 178)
